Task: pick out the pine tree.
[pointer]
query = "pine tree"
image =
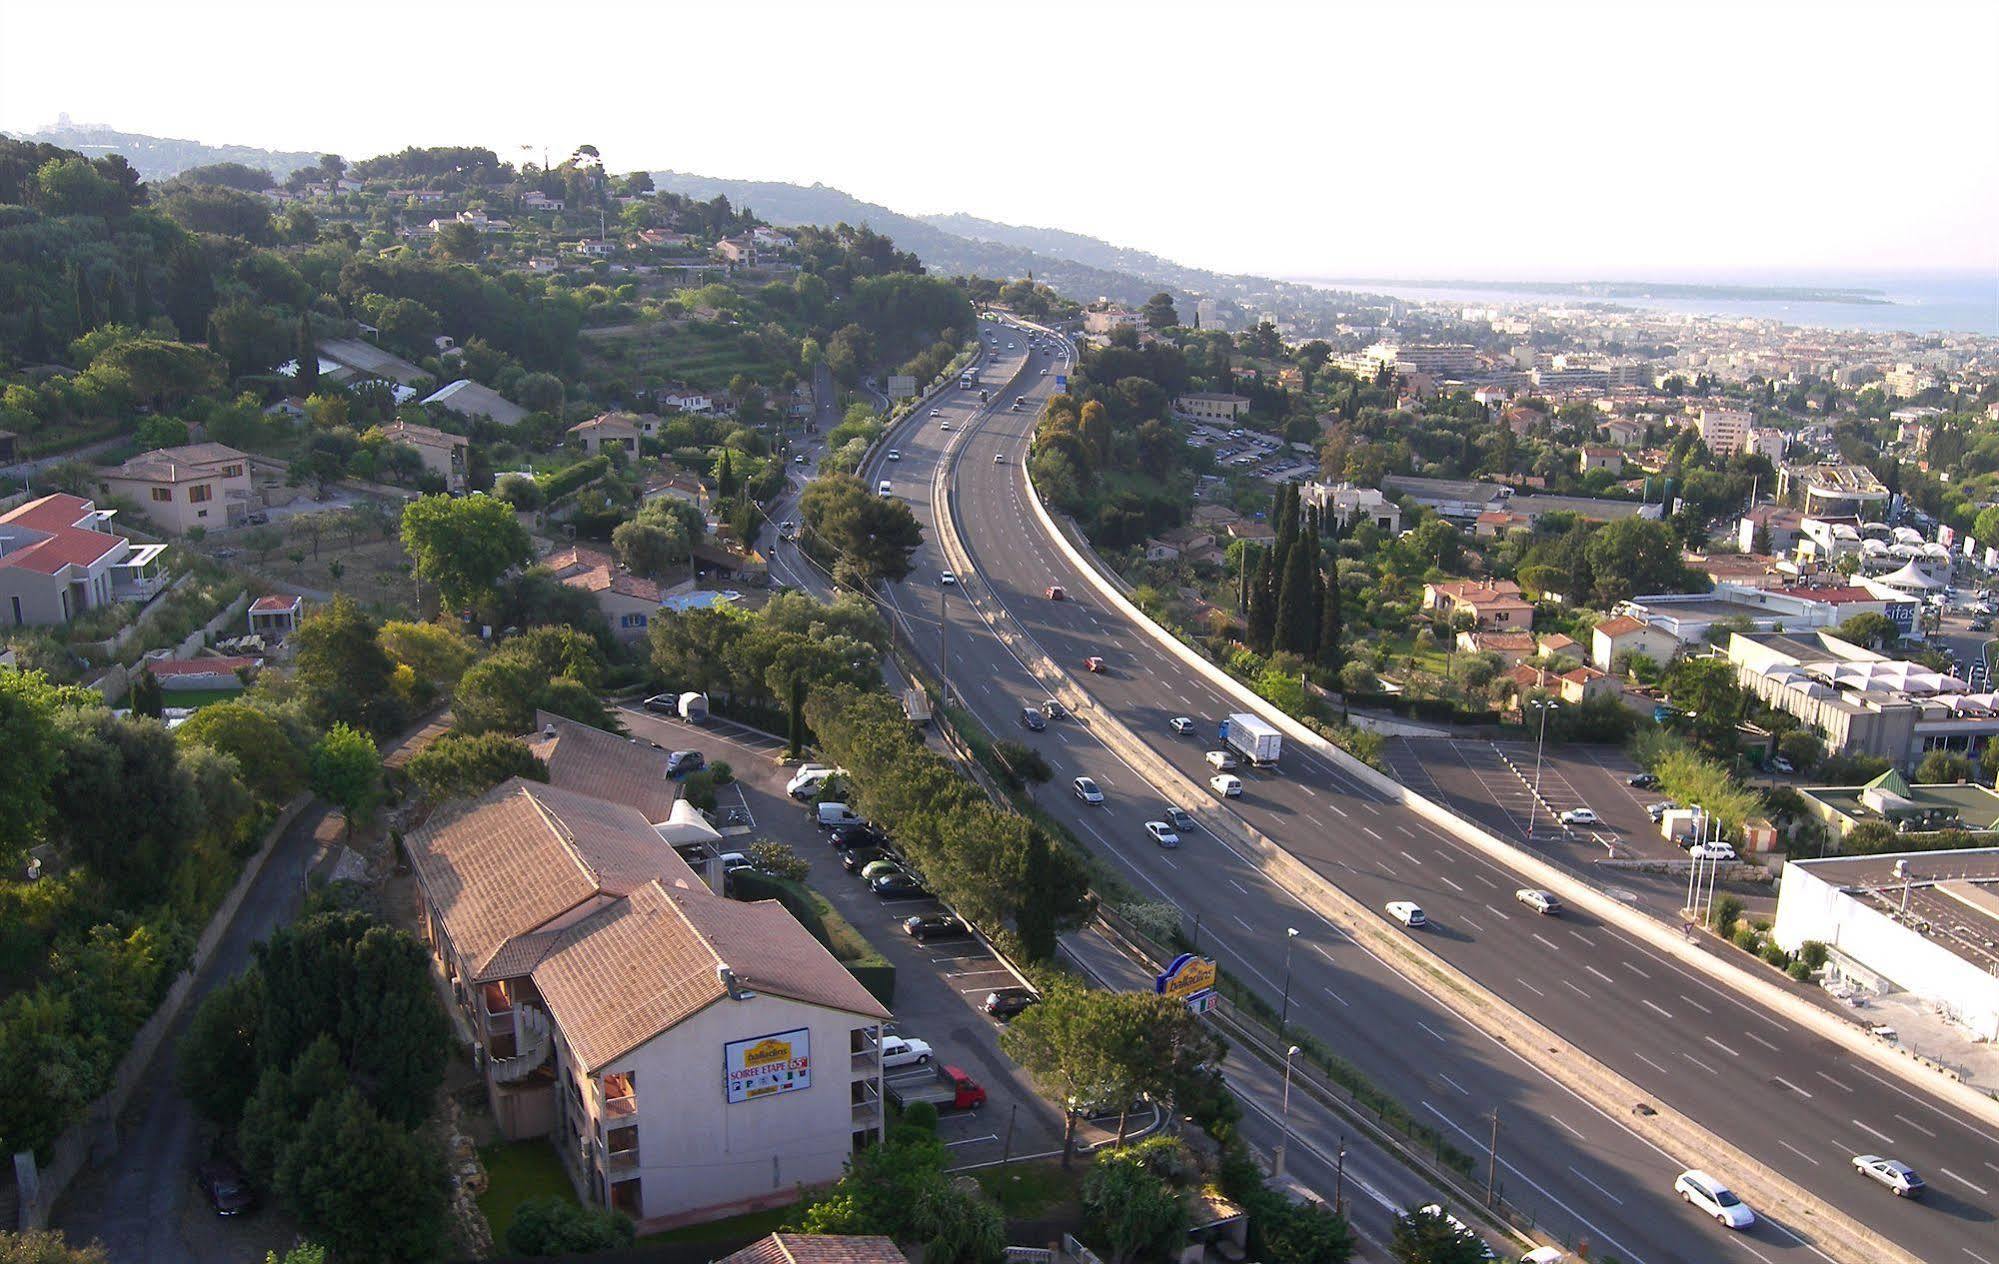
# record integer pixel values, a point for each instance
(307, 380)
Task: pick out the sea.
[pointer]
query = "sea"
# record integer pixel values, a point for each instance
(1911, 303)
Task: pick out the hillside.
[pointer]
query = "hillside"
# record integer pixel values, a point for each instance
(160, 157)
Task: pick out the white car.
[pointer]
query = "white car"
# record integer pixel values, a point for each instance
(943, 425)
(806, 781)
(1086, 790)
(885, 488)
(947, 579)
(1542, 902)
(936, 412)
(1162, 833)
(1181, 725)
(1044, 372)
(1711, 851)
(1711, 1196)
(899, 1051)
(1893, 1173)
(1408, 912)
(1229, 787)
(1464, 1230)
(1221, 760)
(1579, 816)
(894, 454)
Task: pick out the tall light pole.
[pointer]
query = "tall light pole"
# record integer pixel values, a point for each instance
(1284, 1139)
(1544, 706)
(1284, 1014)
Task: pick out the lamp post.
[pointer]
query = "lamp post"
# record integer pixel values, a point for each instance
(1544, 706)
(1284, 1013)
(1284, 1140)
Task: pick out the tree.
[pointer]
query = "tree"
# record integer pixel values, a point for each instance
(1134, 1208)
(1939, 767)
(1869, 631)
(1632, 556)
(1159, 313)
(874, 536)
(1065, 1044)
(1803, 749)
(214, 1071)
(342, 671)
(435, 655)
(28, 706)
(47, 1246)
(1423, 1237)
(347, 771)
(646, 549)
(125, 806)
(1308, 1234)
(1706, 689)
(555, 1225)
(463, 546)
(456, 766)
(372, 1190)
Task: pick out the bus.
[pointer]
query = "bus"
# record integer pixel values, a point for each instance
(968, 379)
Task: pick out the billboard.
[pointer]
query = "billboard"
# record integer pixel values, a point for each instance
(767, 1065)
(901, 386)
(1189, 979)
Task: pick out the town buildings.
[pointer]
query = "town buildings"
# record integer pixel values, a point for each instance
(1345, 503)
(58, 559)
(1211, 407)
(203, 485)
(443, 453)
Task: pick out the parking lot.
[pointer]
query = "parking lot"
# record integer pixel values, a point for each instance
(940, 983)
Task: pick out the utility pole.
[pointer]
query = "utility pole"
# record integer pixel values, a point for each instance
(1284, 1014)
(943, 628)
(1284, 1141)
(1492, 1161)
(1340, 1179)
(1006, 1149)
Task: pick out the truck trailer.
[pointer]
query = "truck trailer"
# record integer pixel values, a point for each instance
(1251, 738)
(948, 1089)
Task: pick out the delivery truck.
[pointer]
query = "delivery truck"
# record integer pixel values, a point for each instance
(1252, 739)
(949, 1088)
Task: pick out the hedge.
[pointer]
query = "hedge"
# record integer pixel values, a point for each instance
(833, 931)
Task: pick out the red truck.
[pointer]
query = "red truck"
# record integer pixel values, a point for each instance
(949, 1088)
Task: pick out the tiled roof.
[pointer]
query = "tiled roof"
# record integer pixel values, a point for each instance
(275, 604)
(61, 543)
(817, 1248)
(417, 436)
(1619, 626)
(523, 854)
(170, 465)
(603, 765)
(218, 666)
(1505, 640)
(641, 965)
(595, 572)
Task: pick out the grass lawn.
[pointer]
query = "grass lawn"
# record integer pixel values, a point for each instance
(753, 1225)
(200, 697)
(1026, 1190)
(515, 1172)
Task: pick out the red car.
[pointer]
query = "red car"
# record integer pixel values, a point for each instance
(1055, 592)
(1093, 663)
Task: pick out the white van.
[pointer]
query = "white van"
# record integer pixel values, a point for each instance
(884, 488)
(806, 781)
(836, 814)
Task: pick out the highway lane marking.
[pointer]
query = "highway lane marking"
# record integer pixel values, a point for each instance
(1501, 915)
(1717, 1044)
(1573, 988)
(1586, 1180)
(1452, 885)
(1585, 938)
(1529, 986)
(1335, 995)
(1482, 878)
(1661, 1011)
(1467, 1092)
(1433, 1031)
(1308, 790)
(1337, 808)
(1975, 1255)
(1800, 1153)
(1787, 1084)
(1370, 833)
(1551, 945)
(1168, 861)
(1245, 925)
(1601, 975)
(1413, 860)
(1239, 886)
(1835, 1083)
(1634, 969)
(1927, 1106)
(1697, 1062)
(1474, 925)
(1324, 952)
(1648, 1062)
(1954, 1176)
(1918, 1127)
(1705, 1010)
(1759, 1040)
(1874, 1132)
(1406, 830)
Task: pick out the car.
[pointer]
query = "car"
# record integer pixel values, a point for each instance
(1221, 760)
(934, 926)
(1020, 401)
(799, 459)
(1641, 780)
(1579, 816)
(1227, 785)
(848, 837)
(1044, 372)
(1542, 902)
(1030, 719)
(1407, 912)
(1162, 833)
(999, 458)
(1086, 790)
(877, 867)
(1054, 710)
(884, 488)
(855, 860)
(943, 425)
(1006, 1003)
(1780, 764)
(809, 780)
(680, 761)
(1179, 818)
(227, 1189)
(1711, 851)
(1895, 1174)
(734, 861)
(936, 412)
(1093, 664)
(1716, 1199)
(897, 886)
(1464, 1230)
(257, 519)
(1657, 811)
(1181, 725)
(223, 555)
(895, 454)
(947, 579)
(663, 704)
(901, 1051)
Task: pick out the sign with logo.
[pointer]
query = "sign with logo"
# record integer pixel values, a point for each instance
(901, 386)
(1903, 614)
(1188, 979)
(1061, 381)
(767, 1065)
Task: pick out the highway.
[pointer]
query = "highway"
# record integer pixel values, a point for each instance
(1794, 1101)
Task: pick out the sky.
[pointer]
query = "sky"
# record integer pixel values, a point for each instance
(1418, 138)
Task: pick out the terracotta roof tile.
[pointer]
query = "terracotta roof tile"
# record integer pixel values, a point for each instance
(1619, 626)
(818, 1248)
(603, 765)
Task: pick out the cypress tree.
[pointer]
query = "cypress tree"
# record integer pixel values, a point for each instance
(1331, 624)
(1263, 602)
(307, 380)
(1294, 602)
(142, 297)
(86, 315)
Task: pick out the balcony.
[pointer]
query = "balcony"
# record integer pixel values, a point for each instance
(867, 1105)
(534, 1040)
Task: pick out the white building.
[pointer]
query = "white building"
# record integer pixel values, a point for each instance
(1343, 502)
(1723, 430)
(1211, 406)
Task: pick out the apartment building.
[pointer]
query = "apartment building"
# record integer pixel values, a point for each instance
(1211, 407)
(58, 558)
(197, 485)
(1724, 430)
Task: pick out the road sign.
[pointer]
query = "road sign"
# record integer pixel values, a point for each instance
(1061, 381)
(1187, 979)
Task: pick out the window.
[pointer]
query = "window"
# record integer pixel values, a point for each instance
(232, 471)
(163, 493)
(631, 620)
(200, 492)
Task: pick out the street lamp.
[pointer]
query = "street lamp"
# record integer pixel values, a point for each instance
(1290, 941)
(1284, 1140)
(1543, 705)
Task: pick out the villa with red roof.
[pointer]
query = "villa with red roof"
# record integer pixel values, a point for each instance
(58, 558)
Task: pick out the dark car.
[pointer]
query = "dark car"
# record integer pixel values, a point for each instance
(933, 926)
(228, 1190)
(682, 761)
(1053, 709)
(1179, 819)
(1031, 720)
(897, 886)
(859, 858)
(1008, 1002)
(848, 837)
(1641, 780)
(663, 704)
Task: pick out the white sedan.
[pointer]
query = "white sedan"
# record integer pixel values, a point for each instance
(1086, 790)
(1162, 833)
(1181, 725)
(947, 579)
(902, 1051)
(1221, 761)
(1579, 816)
(895, 454)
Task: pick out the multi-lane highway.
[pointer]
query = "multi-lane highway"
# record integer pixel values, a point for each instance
(1793, 1100)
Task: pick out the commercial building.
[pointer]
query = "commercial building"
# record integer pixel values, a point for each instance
(1832, 489)
(58, 558)
(1211, 407)
(1922, 922)
(197, 485)
(690, 1056)
(1889, 799)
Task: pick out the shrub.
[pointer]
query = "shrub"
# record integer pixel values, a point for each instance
(1773, 953)
(1813, 954)
(553, 1225)
(1727, 911)
(1745, 937)
(1799, 971)
(920, 1115)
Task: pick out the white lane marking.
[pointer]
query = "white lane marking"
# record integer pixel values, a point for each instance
(1634, 969)
(1954, 1176)
(1245, 925)
(1918, 1127)
(1454, 1084)
(1648, 1062)
(1413, 860)
(1482, 878)
(1336, 996)
(1724, 1048)
(1168, 861)
(1702, 1008)
(1529, 986)
(1480, 1147)
(1337, 808)
(1697, 1062)
(1545, 941)
(1309, 791)
(1505, 917)
(1587, 941)
(973, 1140)
(1601, 975)
(1759, 1040)
(1661, 1011)
(1787, 1084)
(1874, 1132)
(1587, 1181)
(1406, 830)
(1800, 1153)
(1573, 988)
(1370, 833)
(1239, 886)
(1426, 1027)
(1835, 1083)
(1469, 922)
(1565, 1123)
(1322, 951)
(1947, 1115)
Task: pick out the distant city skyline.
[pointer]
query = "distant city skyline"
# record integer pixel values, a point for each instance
(1430, 140)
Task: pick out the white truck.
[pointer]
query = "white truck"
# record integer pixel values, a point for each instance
(1254, 740)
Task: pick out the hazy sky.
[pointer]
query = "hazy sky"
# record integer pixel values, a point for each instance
(1388, 138)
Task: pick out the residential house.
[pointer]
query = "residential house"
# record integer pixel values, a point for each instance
(58, 559)
(675, 485)
(1345, 503)
(536, 200)
(212, 672)
(1213, 517)
(1554, 645)
(770, 238)
(1494, 604)
(1584, 683)
(1625, 432)
(612, 995)
(818, 1248)
(472, 401)
(276, 616)
(1522, 420)
(659, 237)
(628, 601)
(1612, 639)
(1510, 647)
(1178, 543)
(1778, 525)
(1252, 531)
(1494, 523)
(592, 248)
(1211, 407)
(1596, 457)
(203, 485)
(681, 398)
(1099, 321)
(444, 454)
(737, 251)
(608, 431)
